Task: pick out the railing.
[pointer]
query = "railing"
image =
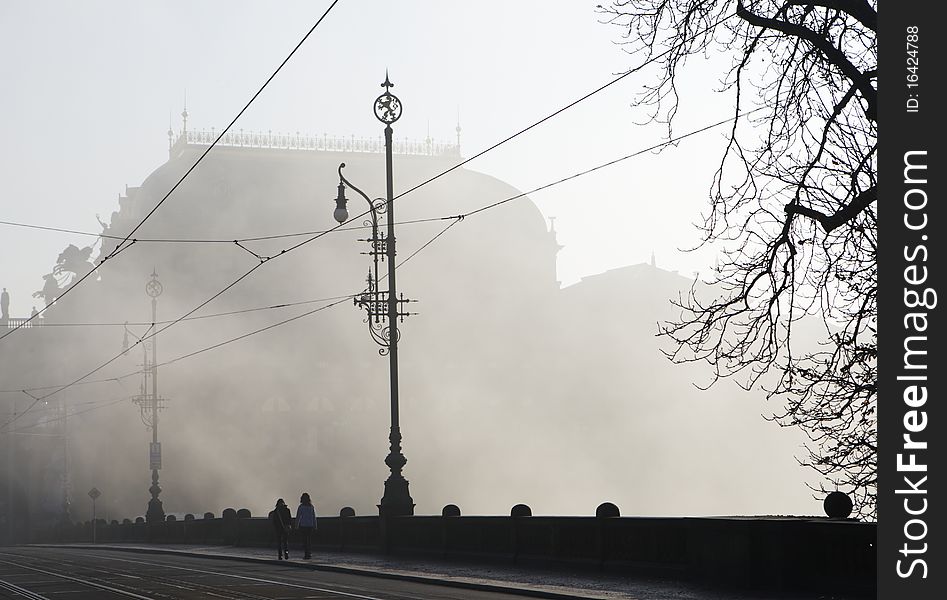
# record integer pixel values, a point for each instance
(24, 323)
(823, 555)
(324, 143)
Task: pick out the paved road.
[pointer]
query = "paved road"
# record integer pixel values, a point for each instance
(78, 574)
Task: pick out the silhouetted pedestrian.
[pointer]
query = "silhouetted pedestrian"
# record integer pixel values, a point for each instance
(282, 521)
(306, 522)
(4, 305)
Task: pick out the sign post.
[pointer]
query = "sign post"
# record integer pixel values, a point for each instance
(94, 493)
(155, 456)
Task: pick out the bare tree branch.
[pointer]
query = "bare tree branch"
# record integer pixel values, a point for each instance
(831, 53)
(860, 9)
(793, 207)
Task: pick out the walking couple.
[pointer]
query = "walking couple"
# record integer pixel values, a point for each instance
(282, 522)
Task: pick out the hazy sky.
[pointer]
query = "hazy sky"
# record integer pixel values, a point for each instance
(90, 86)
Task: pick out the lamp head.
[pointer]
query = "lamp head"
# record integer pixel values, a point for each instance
(341, 214)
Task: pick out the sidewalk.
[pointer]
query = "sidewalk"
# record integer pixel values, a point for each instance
(535, 582)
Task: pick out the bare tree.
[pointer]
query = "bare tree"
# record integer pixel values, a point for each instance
(792, 210)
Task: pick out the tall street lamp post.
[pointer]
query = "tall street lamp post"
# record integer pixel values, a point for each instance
(384, 308)
(66, 503)
(149, 402)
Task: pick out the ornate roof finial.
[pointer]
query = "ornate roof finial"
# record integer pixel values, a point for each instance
(387, 84)
(184, 112)
(652, 259)
(458, 130)
(553, 234)
(170, 132)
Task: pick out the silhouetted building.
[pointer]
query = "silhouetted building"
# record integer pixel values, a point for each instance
(502, 371)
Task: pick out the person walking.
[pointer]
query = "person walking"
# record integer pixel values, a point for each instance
(281, 520)
(306, 522)
(4, 305)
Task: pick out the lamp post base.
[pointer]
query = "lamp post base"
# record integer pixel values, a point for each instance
(155, 512)
(397, 501)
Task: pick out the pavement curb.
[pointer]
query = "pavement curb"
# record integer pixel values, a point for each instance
(429, 580)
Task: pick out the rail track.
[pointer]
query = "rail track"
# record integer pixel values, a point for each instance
(102, 575)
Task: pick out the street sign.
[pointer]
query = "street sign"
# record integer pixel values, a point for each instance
(94, 493)
(155, 456)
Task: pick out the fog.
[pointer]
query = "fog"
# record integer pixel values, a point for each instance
(513, 388)
(530, 373)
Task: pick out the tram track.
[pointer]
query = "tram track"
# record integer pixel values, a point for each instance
(87, 570)
(20, 591)
(86, 582)
(103, 578)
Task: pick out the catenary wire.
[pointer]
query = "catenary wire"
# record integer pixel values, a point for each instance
(337, 300)
(564, 108)
(99, 404)
(264, 260)
(128, 238)
(415, 187)
(331, 299)
(259, 238)
(455, 219)
(194, 318)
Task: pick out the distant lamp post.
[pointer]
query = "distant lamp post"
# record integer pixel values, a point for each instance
(66, 502)
(94, 493)
(148, 401)
(383, 308)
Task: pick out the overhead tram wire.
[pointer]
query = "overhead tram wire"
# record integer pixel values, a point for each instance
(454, 220)
(195, 318)
(564, 108)
(338, 300)
(89, 406)
(501, 142)
(663, 144)
(88, 382)
(37, 399)
(144, 338)
(5, 426)
(264, 260)
(159, 240)
(57, 389)
(414, 188)
(435, 177)
(334, 300)
(99, 403)
(128, 238)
